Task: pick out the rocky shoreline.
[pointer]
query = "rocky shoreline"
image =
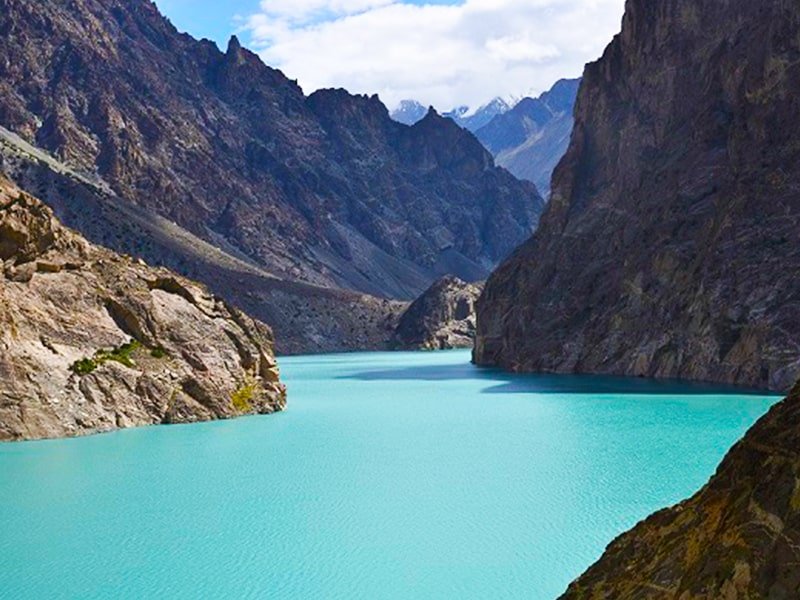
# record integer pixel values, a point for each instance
(92, 341)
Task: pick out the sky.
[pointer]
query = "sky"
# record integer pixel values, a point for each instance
(444, 53)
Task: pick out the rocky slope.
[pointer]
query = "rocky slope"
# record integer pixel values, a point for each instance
(442, 318)
(530, 139)
(671, 243)
(325, 189)
(305, 318)
(92, 341)
(739, 537)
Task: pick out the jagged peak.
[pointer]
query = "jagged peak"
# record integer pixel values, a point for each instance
(234, 45)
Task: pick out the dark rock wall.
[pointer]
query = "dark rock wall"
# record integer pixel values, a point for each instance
(671, 244)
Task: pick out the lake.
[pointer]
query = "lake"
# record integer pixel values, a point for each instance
(391, 475)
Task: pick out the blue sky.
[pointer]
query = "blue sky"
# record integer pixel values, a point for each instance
(440, 52)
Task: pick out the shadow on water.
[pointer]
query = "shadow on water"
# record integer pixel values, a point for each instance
(510, 383)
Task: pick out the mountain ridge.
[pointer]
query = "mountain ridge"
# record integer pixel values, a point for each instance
(231, 149)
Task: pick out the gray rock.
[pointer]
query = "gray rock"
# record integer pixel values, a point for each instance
(442, 318)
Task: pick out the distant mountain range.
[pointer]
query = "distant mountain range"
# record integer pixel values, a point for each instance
(410, 112)
(470, 121)
(528, 139)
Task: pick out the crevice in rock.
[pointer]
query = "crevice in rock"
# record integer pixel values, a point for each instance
(127, 321)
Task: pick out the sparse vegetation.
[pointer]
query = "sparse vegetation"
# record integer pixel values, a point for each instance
(242, 398)
(122, 354)
(158, 352)
(84, 366)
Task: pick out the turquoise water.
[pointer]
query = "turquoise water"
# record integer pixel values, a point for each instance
(390, 476)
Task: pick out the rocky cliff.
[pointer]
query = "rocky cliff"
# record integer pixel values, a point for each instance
(672, 240)
(442, 318)
(92, 341)
(530, 139)
(326, 189)
(739, 537)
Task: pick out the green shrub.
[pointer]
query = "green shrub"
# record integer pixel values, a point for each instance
(122, 354)
(84, 366)
(158, 352)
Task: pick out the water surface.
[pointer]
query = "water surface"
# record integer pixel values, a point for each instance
(389, 476)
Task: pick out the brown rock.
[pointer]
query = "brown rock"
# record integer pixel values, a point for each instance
(105, 346)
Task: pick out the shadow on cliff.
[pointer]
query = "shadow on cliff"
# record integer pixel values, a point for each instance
(501, 382)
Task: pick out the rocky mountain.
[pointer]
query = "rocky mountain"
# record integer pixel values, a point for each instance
(736, 538)
(93, 341)
(672, 237)
(474, 120)
(306, 318)
(409, 112)
(530, 139)
(442, 318)
(325, 190)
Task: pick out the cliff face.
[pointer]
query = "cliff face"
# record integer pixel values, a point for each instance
(737, 538)
(320, 189)
(92, 341)
(442, 318)
(672, 239)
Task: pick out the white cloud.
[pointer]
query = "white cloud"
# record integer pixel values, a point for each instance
(445, 55)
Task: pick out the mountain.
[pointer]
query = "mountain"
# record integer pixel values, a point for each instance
(324, 190)
(409, 112)
(531, 138)
(472, 121)
(441, 318)
(671, 242)
(305, 318)
(736, 538)
(93, 341)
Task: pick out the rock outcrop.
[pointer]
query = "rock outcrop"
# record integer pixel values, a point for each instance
(530, 139)
(442, 318)
(92, 341)
(671, 244)
(739, 537)
(326, 190)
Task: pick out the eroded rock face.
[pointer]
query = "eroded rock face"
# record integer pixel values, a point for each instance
(325, 189)
(671, 244)
(442, 318)
(737, 538)
(92, 341)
